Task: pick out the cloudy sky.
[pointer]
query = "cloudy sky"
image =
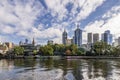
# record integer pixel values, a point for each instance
(46, 19)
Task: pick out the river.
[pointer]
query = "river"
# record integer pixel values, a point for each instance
(60, 69)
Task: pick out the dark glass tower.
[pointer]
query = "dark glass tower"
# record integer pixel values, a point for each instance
(108, 37)
(78, 36)
(64, 37)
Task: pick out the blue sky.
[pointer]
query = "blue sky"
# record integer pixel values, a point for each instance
(46, 19)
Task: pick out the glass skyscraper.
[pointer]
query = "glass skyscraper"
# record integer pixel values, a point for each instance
(78, 36)
(108, 37)
(64, 37)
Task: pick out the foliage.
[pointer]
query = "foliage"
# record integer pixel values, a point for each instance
(46, 50)
(18, 50)
(101, 48)
(34, 52)
(115, 51)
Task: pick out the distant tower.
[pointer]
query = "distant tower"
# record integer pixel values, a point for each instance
(26, 41)
(89, 38)
(78, 36)
(64, 37)
(95, 37)
(33, 42)
(20, 43)
(108, 37)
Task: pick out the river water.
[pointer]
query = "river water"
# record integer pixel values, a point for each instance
(59, 69)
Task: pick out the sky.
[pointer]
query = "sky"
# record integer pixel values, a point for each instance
(46, 19)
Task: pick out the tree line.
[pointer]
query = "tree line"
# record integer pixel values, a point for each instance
(97, 49)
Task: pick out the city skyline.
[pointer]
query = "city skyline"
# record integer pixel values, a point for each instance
(46, 20)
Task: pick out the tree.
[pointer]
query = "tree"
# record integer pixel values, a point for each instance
(102, 48)
(46, 50)
(18, 50)
(116, 51)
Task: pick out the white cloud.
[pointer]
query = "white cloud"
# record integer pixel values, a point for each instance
(22, 16)
(87, 7)
(112, 23)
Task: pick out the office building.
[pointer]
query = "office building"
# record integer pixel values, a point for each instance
(10, 45)
(102, 37)
(78, 36)
(89, 38)
(119, 41)
(64, 37)
(95, 37)
(108, 37)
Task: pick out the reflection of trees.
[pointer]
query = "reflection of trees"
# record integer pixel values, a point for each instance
(25, 62)
(90, 67)
(99, 66)
(47, 63)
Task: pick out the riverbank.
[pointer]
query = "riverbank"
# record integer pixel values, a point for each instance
(60, 57)
(91, 57)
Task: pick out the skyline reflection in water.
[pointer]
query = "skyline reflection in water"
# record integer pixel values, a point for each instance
(49, 69)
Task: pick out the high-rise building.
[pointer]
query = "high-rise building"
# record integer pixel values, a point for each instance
(95, 37)
(119, 41)
(102, 37)
(33, 42)
(73, 41)
(78, 36)
(108, 37)
(64, 37)
(89, 38)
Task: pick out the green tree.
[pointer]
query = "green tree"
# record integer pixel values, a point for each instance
(18, 50)
(102, 48)
(46, 50)
(116, 51)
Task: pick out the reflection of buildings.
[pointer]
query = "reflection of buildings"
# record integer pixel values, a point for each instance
(6, 65)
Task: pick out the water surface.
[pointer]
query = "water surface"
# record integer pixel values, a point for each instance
(52, 69)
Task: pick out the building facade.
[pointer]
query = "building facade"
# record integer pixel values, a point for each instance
(89, 38)
(10, 45)
(95, 37)
(78, 36)
(64, 37)
(108, 37)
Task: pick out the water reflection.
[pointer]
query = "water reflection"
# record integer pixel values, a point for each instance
(48, 69)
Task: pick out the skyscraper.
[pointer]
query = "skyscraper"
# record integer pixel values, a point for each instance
(95, 37)
(33, 42)
(102, 37)
(78, 36)
(108, 37)
(64, 37)
(89, 38)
